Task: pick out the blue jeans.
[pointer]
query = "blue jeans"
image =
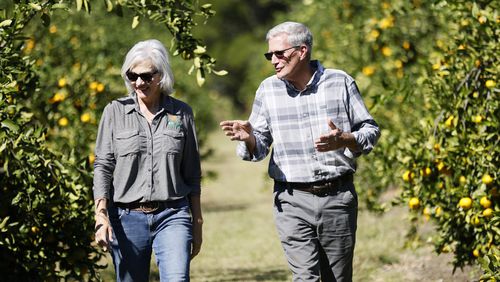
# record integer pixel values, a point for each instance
(167, 232)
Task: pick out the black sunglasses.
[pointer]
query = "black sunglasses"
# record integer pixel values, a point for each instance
(279, 54)
(145, 76)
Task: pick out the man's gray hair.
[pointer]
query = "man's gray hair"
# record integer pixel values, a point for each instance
(297, 33)
(149, 50)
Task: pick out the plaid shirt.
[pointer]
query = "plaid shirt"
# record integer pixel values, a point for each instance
(292, 120)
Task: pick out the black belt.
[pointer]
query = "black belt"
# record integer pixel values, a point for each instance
(318, 188)
(149, 207)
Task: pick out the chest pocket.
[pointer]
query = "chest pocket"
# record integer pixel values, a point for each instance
(173, 141)
(127, 142)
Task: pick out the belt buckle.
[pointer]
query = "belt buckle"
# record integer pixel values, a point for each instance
(146, 208)
(321, 190)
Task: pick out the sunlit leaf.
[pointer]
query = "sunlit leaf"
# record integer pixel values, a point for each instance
(200, 77)
(135, 22)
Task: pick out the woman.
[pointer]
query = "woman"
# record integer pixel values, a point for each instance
(147, 173)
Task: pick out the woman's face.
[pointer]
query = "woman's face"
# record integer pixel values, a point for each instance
(145, 80)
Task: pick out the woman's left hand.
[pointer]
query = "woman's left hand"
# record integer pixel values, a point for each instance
(197, 237)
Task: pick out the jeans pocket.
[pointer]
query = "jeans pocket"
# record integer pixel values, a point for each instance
(121, 213)
(115, 214)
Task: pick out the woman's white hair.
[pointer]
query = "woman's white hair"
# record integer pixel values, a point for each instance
(297, 34)
(149, 50)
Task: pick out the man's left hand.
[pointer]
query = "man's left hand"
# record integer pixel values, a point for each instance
(333, 140)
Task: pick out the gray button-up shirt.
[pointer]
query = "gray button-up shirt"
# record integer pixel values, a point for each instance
(291, 120)
(141, 162)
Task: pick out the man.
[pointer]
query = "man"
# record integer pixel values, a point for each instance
(317, 123)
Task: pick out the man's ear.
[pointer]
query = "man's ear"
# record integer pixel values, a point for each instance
(304, 50)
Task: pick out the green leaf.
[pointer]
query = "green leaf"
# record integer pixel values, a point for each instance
(200, 50)
(12, 126)
(3, 223)
(5, 23)
(135, 22)
(35, 6)
(220, 73)
(86, 5)
(109, 5)
(60, 6)
(197, 62)
(475, 10)
(17, 199)
(200, 77)
(79, 4)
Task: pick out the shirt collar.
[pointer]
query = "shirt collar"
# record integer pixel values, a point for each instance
(318, 72)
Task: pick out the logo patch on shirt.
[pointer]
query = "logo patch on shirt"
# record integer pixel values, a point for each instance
(174, 122)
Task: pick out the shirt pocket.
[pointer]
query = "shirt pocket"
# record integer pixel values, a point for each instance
(127, 142)
(173, 141)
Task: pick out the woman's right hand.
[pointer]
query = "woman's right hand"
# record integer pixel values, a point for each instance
(103, 230)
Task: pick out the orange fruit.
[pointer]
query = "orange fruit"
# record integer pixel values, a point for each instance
(485, 202)
(408, 176)
(465, 203)
(476, 253)
(488, 212)
(414, 203)
(475, 221)
(490, 83)
(487, 179)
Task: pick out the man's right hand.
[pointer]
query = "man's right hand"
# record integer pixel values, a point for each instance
(237, 130)
(240, 130)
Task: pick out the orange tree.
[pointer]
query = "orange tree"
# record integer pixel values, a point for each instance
(51, 93)
(450, 162)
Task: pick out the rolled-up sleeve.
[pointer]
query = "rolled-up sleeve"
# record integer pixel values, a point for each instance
(190, 166)
(364, 128)
(105, 162)
(263, 139)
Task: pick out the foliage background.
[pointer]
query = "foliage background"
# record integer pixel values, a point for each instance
(428, 71)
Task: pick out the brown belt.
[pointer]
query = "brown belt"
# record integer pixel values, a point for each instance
(148, 207)
(318, 188)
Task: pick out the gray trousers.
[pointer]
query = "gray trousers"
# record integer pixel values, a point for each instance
(317, 233)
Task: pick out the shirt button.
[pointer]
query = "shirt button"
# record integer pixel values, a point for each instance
(149, 169)
(305, 114)
(149, 153)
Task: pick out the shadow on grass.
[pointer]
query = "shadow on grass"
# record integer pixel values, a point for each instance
(223, 207)
(242, 274)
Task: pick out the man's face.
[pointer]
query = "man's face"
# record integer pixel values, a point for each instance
(284, 65)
